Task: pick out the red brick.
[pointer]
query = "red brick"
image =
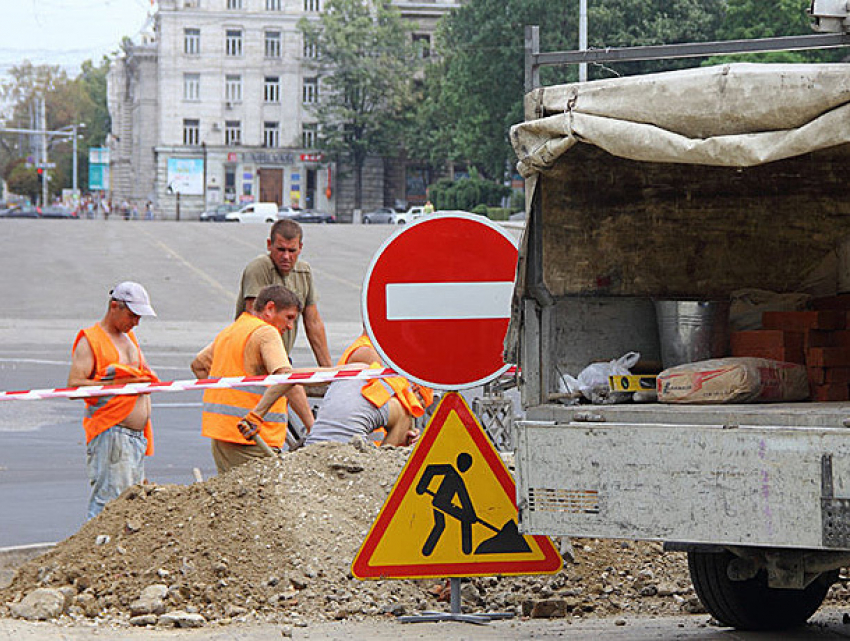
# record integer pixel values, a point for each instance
(828, 357)
(769, 343)
(817, 375)
(820, 338)
(841, 338)
(831, 392)
(841, 301)
(837, 375)
(801, 321)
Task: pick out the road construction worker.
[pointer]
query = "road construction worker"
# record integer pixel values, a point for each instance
(251, 346)
(118, 428)
(352, 408)
(282, 266)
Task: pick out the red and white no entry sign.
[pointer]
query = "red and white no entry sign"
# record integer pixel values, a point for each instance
(437, 300)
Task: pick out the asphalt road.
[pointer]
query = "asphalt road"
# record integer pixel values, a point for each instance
(54, 279)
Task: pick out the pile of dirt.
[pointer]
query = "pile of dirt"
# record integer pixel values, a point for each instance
(275, 539)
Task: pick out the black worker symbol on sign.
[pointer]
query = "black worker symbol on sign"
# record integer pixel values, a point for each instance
(452, 498)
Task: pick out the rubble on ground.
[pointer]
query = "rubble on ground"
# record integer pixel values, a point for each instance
(273, 540)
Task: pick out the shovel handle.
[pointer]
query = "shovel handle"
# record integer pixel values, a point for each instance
(478, 519)
(263, 445)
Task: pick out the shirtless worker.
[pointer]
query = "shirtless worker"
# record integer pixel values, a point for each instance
(357, 408)
(282, 266)
(118, 428)
(251, 346)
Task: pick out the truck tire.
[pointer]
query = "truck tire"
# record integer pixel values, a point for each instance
(751, 604)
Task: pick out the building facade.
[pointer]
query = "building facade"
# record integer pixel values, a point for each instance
(214, 106)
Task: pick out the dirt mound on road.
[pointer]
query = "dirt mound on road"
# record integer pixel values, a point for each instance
(275, 539)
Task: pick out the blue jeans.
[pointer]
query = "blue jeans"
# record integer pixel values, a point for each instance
(115, 460)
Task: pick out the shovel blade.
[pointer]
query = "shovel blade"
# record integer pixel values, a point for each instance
(507, 540)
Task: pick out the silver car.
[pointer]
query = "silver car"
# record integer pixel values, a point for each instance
(381, 216)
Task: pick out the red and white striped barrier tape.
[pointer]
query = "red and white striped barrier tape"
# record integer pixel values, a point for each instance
(127, 389)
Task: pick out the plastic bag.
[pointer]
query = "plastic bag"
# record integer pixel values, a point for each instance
(593, 380)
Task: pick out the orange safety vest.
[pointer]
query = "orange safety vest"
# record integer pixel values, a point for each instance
(380, 390)
(224, 408)
(103, 412)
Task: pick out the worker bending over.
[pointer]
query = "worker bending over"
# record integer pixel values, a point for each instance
(354, 408)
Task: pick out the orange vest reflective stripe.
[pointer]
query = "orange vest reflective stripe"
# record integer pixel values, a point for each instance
(103, 412)
(380, 390)
(224, 408)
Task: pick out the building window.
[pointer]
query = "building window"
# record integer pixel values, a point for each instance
(422, 44)
(271, 134)
(232, 132)
(233, 88)
(191, 132)
(191, 86)
(311, 91)
(233, 42)
(192, 41)
(234, 4)
(311, 5)
(271, 89)
(308, 136)
(272, 44)
(272, 5)
(311, 49)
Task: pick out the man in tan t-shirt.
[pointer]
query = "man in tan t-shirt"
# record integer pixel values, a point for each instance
(282, 266)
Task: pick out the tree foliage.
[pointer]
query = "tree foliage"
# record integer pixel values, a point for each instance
(79, 100)
(365, 66)
(473, 94)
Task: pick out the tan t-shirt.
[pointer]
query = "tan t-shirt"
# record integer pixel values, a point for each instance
(264, 353)
(261, 272)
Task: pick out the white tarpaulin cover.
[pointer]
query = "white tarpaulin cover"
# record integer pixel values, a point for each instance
(734, 115)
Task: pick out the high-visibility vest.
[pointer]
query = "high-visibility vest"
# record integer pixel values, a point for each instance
(103, 412)
(380, 390)
(224, 408)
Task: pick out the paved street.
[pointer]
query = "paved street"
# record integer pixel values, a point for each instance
(55, 279)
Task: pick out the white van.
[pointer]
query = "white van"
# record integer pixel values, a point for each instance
(254, 213)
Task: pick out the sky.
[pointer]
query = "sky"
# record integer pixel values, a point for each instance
(66, 32)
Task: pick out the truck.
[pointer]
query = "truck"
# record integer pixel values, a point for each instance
(684, 185)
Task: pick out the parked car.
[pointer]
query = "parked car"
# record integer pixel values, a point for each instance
(57, 211)
(286, 211)
(22, 211)
(402, 218)
(313, 216)
(381, 216)
(217, 214)
(254, 213)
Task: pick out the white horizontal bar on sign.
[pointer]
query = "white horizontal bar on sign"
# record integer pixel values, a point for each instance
(449, 301)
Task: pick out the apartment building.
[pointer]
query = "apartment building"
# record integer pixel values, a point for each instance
(213, 106)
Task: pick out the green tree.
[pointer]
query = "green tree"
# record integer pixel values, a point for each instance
(23, 180)
(365, 65)
(475, 94)
(754, 19)
(69, 101)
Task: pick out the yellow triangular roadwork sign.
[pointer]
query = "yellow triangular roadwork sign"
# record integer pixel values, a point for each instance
(452, 511)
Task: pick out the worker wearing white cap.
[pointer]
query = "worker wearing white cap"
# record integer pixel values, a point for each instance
(118, 428)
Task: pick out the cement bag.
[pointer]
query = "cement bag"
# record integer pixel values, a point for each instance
(733, 380)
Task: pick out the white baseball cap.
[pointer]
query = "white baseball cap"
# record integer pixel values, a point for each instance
(134, 296)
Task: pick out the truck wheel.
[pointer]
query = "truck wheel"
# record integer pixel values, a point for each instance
(751, 604)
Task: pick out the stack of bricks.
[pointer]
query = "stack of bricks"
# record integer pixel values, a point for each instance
(817, 339)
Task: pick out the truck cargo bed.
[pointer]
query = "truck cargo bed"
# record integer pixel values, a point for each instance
(721, 474)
